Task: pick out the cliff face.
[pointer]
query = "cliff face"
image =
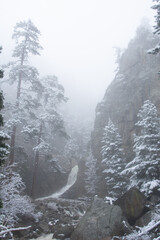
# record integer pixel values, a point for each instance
(136, 81)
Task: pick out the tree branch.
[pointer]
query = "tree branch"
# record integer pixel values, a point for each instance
(14, 229)
(149, 229)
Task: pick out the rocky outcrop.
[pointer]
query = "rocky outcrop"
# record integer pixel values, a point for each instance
(136, 81)
(101, 221)
(105, 222)
(50, 177)
(68, 219)
(56, 216)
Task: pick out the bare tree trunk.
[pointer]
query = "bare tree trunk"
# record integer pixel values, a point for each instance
(36, 163)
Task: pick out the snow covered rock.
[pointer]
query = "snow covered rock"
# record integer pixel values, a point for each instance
(63, 232)
(133, 204)
(144, 220)
(56, 216)
(101, 221)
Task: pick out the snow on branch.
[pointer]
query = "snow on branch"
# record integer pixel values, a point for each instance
(149, 228)
(143, 231)
(12, 229)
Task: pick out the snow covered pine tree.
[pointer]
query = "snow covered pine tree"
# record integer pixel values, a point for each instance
(156, 7)
(47, 122)
(3, 136)
(144, 169)
(27, 43)
(15, 203)
(113, 160)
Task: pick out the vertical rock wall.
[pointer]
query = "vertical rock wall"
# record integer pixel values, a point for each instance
(136, 81)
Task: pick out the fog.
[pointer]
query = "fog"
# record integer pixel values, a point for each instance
(78, 37)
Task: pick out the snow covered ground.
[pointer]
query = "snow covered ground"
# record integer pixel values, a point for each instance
(45, 237)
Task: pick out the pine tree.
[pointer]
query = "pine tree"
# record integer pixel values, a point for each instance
(45, 122)
(113, 160)
(156, 7)
(21, 73)
(3, 136)
(144, 169)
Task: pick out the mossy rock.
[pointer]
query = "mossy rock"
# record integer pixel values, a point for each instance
(132, 204)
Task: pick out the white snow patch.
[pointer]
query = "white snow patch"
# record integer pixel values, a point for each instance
(109, 200)
(45, 237)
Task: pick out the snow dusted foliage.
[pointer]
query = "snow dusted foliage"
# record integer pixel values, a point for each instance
(19, 116)
(3, 146)
(113, 160)
(71, 151)
(144, 169)
(28, 73)
(53, 91)
(27, 43)
(3, 136)
(26, 36)
(25, 76)
(51, 98)
(44, 120)
(91, 174)
(15, 203)
(1, 72)
(156, 7)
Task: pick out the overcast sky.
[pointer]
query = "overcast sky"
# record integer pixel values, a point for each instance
(78, 37)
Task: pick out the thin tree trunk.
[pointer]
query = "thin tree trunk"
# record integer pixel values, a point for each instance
(34, 180)
(13, 136)
(19, 87)
(36, 163)
(12, 146)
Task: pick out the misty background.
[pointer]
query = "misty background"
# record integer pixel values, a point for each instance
(79, 40)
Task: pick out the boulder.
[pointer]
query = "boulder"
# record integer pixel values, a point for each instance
(101, 221)
(145, 219)
(133, 204)
(63, 232)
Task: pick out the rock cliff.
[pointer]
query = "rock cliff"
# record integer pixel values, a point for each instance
(136, 80)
